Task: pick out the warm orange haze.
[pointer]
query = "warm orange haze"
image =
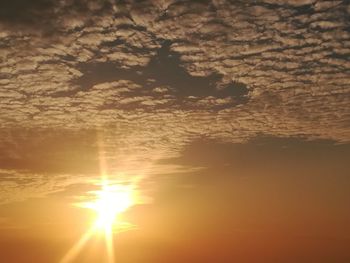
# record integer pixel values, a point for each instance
(109, 203)
(168, 131)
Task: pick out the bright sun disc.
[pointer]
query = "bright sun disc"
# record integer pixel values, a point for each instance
(110, 202)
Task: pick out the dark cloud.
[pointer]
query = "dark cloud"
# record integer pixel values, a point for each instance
(261, 154)
(268, 67)
(48, 152)
(21, 11)
(164, 70)
(153, 76)
(44, 13)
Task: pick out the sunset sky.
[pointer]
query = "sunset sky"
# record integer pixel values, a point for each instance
(174, 131)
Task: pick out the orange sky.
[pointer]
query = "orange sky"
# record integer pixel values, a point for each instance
(264, 201)
(174, 131)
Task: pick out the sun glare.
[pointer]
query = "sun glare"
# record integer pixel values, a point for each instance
(108, 203)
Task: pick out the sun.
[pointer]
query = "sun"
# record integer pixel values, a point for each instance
(109, 203)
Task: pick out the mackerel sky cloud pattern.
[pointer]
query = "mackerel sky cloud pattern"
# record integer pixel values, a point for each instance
(153, 76)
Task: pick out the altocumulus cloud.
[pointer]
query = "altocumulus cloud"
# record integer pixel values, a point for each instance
(152, 76)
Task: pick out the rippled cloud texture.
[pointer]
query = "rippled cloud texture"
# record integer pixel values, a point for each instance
(151, 76)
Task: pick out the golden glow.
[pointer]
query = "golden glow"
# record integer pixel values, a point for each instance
(110, 202)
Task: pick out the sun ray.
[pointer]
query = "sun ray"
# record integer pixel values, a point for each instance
(109, 245)
(108, 203)
(112, 199)
(75, 250)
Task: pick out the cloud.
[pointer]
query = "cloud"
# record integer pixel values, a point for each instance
(155, 75)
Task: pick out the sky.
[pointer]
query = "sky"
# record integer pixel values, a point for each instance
(228, 122)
